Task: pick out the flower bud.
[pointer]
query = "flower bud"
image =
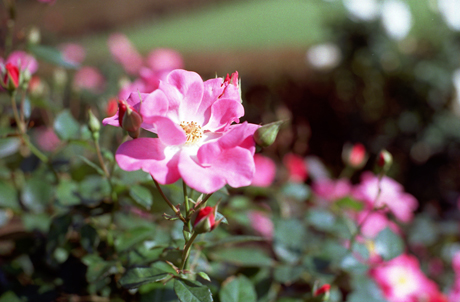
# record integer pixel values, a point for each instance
(34, 36)
(11, 77)
(354, 156)
(129, 119)
(205, 220)
(93, 123)
(323, 290)
(384, 160)
(266, 134)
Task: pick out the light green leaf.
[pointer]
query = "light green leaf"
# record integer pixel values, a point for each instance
(188, 291)
(237, 289)
(388, 244)
(8, 197)
(65, 193)
(65, 126)
(142, 196)
(36, 194)
(243, 256)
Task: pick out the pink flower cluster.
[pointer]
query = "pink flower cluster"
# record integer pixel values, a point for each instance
(155, 67)
(197, 140)
(402, 280)
(454, 294)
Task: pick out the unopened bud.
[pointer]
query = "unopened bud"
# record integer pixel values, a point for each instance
(205, 220)
(266, 134)
(129, 119)
(93, 123)
(34, 36)
(384, 160)
(323, 291)
(60, 77)
(355, 155)
(10, 77)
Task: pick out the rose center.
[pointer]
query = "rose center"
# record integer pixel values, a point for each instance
(193, 131)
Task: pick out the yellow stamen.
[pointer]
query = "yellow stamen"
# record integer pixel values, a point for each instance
(193, 132)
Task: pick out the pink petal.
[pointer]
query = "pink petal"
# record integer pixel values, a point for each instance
(125, 53)
(169, 132)
(223, 113)
(233, 166)
(150, 155)
(164, 59)
(265, 171)
(23, 60)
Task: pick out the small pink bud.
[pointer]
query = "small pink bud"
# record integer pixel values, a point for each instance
(205, 220)
(129, 119)
(355, 155)
(322, 290)
(11, 77)
(385, 160)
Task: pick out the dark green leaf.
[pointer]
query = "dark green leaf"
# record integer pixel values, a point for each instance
(351, 264)
(388, 244)
(36, 194)
(297, 191)
(92, 165)
(65, 126)
(9, 296)
(97, 267)
(423, 231)
(142, 275)
(58, 230)
(52, 55)
(142, 196)
(321, 219)
(40, 222)
(243, 256)
(287, 273)
(132, 237)
(89, 238)
(66, 193)
(237, 289)
(94, 188)
(235, 239)
(289, 240)
(188, 291)
(9, 197)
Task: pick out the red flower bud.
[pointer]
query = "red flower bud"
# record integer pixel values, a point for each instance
(129, 119)
(11, 77)
(205, 220)
(384, 160)
(322, 290)
(355, 155)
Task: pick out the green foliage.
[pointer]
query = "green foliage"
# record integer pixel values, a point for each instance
(188, 291)
(237, 289)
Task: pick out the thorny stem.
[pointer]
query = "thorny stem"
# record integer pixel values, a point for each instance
(186, 251)
(176, 211)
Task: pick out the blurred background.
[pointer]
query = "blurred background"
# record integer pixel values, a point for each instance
(382, 73)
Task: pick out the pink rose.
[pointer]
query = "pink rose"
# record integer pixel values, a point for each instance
(73, 53)
(392, 195)
(265, 171)
(196, 139)
(402, 280)
(297, 168)
(262, 224)
(89, 78)
(125, 53)
(331, 190)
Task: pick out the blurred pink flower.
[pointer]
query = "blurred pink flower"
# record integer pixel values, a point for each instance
(196, 139)
(454, 293)
(374, 222)
(297, 167)
(73, 53)
(89, 78)
(46, 139)
(331, 190)
(129, 87)
(125, 53)
(392, 195)
(162, 59)
(402, 280)
(456, 263)
(23, 61)
(265, 171)
(261, 223)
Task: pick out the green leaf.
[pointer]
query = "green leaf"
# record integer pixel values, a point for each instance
(89, 238)
(297, 191)
(234, 239)
(9, 197)
(243, 256)
(289, 240)
(9, 146)
(36, 194)
(92, 165)
(237, 289)
(52, 55)
(58, 230)
(423, 231)
(142, 275)
(94, 188)
(9, 296)
(97, 267)
(219, 216)
(132, 237)
(204, 276)
(321, 219)
(287, 274)
(350, 203)
(188, 291)
(66, 191)
(142, 196)
(40, 222)
(388, 244)
(351, 264)
(65, 126)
